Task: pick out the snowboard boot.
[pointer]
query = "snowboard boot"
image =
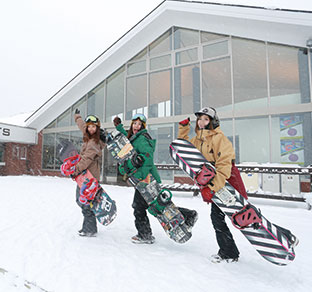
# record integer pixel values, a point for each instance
(147, 239)
(191, 219)
(216, 259)
(86, 234)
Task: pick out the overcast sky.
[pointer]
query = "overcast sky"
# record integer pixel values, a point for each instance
(45, 43)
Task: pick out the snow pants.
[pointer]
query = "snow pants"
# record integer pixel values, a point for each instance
(141, 221)
(227, 246)
(89, 220)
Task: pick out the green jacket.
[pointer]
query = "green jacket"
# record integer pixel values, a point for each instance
(143, 144)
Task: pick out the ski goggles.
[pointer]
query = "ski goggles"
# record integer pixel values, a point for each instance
(139, 116)
(91, 119)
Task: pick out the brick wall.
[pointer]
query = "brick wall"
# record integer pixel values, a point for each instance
(24, 159)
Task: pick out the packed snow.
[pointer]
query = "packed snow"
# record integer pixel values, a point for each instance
(39, 242)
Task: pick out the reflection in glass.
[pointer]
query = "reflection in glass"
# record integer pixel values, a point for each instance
(186, 56)
(164, 135)
(58, 140)
(95, 102)
(136, 96)
(161, 45)
(48, 151)
(186, 89)
(289, 78)
(115, 96)
(216, 84)
(215, 50)
(185, 37)
(160, 94)
(208, 37)
(76, 139)
(160, 62)
(252, 136)
(64, 119)
(250, 74)
(137, 67)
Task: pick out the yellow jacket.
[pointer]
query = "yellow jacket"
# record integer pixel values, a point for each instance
(216, 148)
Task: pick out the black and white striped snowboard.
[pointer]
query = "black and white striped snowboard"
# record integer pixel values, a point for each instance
(269, 240)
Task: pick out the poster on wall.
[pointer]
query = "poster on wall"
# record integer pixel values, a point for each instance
(291, 140)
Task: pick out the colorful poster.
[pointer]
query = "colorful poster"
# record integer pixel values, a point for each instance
(291, 138)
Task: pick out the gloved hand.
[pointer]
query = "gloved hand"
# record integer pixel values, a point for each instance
(77, 111)
(116, 121)
(103, 135)
(207, 194)
(185, 122)
(137, 160)
(127, 168)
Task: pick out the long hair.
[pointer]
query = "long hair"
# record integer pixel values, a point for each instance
(130, 131)
(96, 136)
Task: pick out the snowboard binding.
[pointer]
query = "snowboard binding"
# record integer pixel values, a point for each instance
(158, 205)
(248, 216)
(88, 191)
(68, 166)
(205, 175)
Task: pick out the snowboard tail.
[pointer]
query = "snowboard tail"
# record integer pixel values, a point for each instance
(271, 241)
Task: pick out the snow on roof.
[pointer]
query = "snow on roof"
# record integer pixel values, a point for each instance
(17, 120)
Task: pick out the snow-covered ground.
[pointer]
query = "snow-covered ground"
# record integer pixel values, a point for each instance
(39, 220)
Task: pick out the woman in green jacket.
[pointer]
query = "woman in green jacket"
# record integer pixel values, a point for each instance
(145, 147)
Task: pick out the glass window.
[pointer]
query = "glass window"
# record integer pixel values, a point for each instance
(64, 119)
(208, 37)
(115, 96)
(252, 139)
(186, 56)
(48, 151)
(59, 137)
(185, 37)
(2, 148)
(139, 56)
(136, 96)
(160, 62)
(95, 102)
(289, 77)
(186, 89)
(52, 125)
(216, 84)
(82, 106)
(164, 135)
(161, 45)
(137, 67)
(76, 139)
(215, 50)
(250, 74)
(292, 139)
(160, 103)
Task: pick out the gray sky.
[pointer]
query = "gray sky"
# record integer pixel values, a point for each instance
(45, 43)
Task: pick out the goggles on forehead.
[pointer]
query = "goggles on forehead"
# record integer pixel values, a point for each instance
(139, 116)
(92, 119)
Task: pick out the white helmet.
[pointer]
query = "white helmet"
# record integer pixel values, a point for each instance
(211, 113)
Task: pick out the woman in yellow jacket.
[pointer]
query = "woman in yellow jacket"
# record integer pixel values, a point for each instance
(218, 150)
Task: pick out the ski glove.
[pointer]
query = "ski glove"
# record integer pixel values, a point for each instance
(207, 194)
(185, 122)
(77, 111)
(131, 165)
(103, 136)
(116, 121)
